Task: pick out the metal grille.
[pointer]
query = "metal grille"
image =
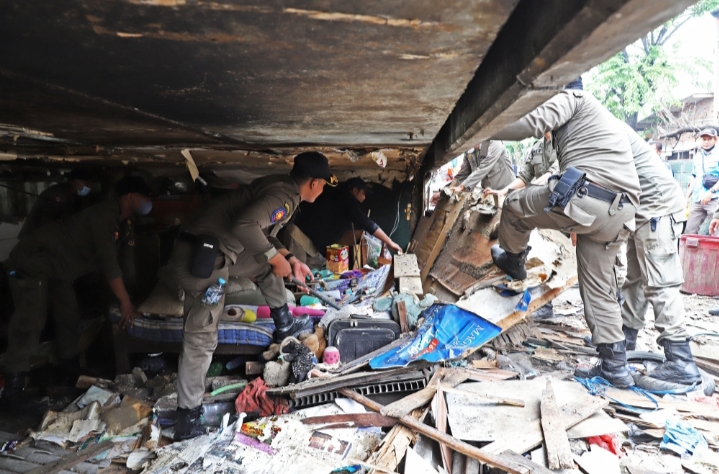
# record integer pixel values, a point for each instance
(372, 389)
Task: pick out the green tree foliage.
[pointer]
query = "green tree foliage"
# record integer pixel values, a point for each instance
(643, 75)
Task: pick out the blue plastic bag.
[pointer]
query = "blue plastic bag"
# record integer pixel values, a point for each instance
(681, 437)
(447, 332)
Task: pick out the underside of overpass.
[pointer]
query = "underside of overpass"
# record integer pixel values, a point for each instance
(246, 84)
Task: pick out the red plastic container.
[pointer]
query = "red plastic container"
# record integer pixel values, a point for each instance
(700, 263)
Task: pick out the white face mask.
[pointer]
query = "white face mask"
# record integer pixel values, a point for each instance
(144, 208)
(84, 191)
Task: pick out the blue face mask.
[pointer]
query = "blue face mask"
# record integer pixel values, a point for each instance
(84, 191)
(144, 208)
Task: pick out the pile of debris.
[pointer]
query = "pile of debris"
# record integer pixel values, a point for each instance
(396, 381)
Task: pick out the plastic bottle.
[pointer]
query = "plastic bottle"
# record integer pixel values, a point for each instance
(214, 292)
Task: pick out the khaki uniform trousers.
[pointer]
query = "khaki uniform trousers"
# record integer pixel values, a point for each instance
(698, 213)
(654, 275)
(31, 289)
(199, 339)
(601, 228)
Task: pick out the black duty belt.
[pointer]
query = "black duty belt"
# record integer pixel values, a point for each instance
(598, 192)
(573, 182)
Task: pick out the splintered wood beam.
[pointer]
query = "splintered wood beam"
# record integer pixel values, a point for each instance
(508, 461)
(559, 454)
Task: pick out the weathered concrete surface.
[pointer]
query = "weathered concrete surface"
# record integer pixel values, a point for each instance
(156, 72)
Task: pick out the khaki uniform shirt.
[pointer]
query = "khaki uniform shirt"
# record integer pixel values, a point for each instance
(540, 159)
(487, 165)
(661, 193)
(587, 136)
(78, 245)
(247, 220)
(56, 202)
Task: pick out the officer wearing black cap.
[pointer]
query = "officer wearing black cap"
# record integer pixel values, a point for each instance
(59, 201)
(325, 221)
(42, 268)
(234, 235)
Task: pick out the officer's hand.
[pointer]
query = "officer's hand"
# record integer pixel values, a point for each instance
(128, 315)
(301, 271)
(280, 266)
(713, 226)
(707, 197)
(458, 188)
(496, 192)
(573, 236)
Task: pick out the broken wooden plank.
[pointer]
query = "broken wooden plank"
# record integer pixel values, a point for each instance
(358, 419)
(487, 375)
(73, 459)
(499, 400)
(402, 312)
(363, 361)
(506, 461)
(440, 420)
(449, 377)
(559, 454)
(531, 437)
(394, 445)
(449, 219)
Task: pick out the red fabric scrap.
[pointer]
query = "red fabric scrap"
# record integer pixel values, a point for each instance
(254, 399)
(610, 442)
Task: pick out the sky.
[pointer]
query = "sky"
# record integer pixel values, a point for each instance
(696, 38)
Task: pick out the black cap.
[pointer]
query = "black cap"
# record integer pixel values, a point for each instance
(708, 131)
(576, 84)
(313, 164)
(357, 183)
(131, 184)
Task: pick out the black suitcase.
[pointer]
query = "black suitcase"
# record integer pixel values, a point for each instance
(357, 337)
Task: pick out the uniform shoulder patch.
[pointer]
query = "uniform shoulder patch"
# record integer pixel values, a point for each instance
(279, 214)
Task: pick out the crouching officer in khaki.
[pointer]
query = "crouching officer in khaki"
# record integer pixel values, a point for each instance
(596, 197)
(234, 235)
(43, 266)
(487, 165)
(654, 270)
(539, 164)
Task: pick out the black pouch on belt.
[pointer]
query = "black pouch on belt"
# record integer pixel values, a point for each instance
(203, 259)
(570, 181)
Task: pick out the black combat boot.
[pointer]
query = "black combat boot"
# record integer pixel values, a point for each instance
(15, 398)
(631, 337)
(679, 367)
(189, 423)
(287, 326)
(612, 366)
(511, 263)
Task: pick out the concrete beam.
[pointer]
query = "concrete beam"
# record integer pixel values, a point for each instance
(543, 46)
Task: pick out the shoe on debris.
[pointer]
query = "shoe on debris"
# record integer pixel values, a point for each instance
(14, 397)
(680, 366)
(612, 366)
(287, 326)
(630, 335)
(189, 423)
(714, 312)
(513, 264)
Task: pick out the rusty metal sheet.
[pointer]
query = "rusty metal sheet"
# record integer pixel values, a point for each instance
(466, 258)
